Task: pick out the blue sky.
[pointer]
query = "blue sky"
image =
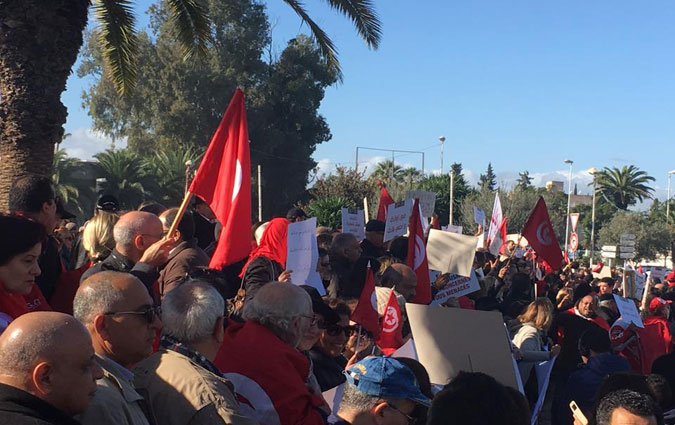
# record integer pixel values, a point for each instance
(521, 84)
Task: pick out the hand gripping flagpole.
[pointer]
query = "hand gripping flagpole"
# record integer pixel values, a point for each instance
(179, 214)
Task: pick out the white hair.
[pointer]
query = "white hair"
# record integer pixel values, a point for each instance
(100, 295)
(126, 230)
(275, 305)
(190, 312)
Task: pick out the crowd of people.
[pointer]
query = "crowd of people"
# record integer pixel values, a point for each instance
(119, 321)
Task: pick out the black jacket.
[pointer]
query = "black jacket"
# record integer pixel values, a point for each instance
(260, 271)
(204, 231)
(328, 370)
(50, 267)
(119, 263)
(347, 280)
(17, 407)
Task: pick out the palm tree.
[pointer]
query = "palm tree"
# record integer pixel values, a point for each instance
(124, 176)
(39, 42)
(624, 187)
(388, 171)
(166, 171)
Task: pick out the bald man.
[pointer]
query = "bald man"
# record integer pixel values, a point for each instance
(47, 370)
(122, 320)
(140, 248)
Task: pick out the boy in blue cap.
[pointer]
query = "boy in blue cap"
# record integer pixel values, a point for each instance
(380, 391)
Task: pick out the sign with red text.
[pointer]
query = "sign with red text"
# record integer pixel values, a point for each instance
(456, 287)
(353, 221)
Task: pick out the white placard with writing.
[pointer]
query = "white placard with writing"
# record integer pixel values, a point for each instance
(427, 200)
(451, 253)
(456, 287)
(479, 216)
(397, 219)
(453, 229)
(303, 254)
(354, 222)
(628, 310)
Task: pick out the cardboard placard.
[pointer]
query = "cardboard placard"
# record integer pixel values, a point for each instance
(449, 340)
(628, 310)
(452, 229)
(628, 283)
(303, 254)
(456, 287)
(354, 222)
(451, 253)
(479, 216)
(427, 200)
(397, 219)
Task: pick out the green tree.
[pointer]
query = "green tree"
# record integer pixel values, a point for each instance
(651, 238)
(411, 176)
(524, 180)
(489, 179)
(389, 172)
(125, 178)
(328, 211)
(69, 176)
(440, 184)
(39, 45)
(346, 184)
(624, 187)
(164, 173)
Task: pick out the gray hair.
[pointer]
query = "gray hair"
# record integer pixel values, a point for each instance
(99, 296)
(340, 242)
(190, 312)
(356, 401)
(126, 230)
(275, 305)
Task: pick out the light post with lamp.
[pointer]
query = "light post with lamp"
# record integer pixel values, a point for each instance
(593, 172)
(569, 199)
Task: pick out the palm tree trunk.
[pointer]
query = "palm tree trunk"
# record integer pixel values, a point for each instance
(39, 42)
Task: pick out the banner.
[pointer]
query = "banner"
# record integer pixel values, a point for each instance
(397, 219)
(628, 311)
(495, 219)
(451, 253)
(543, 372)
(427, 200)
(453, 229)
(479, 216)
(456, 287)
(353, 222)
(303, 254)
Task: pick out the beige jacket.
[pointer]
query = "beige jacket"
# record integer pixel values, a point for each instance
(116, 401)
(181, 392)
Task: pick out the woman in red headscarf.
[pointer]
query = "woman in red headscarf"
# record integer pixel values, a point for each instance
(267, 262)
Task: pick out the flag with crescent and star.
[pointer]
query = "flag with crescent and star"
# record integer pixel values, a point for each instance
(223, 181)
(391, 335)
(540, 235)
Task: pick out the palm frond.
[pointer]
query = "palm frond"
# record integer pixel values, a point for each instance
(118, 40)
(191, 20)
(328, 49)
(362, 14)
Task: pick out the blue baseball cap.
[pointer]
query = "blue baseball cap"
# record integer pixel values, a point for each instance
(387, 378)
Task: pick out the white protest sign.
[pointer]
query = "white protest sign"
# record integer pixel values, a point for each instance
(640, 281)
(543, 372)
(354, 222)
(479, 216)
(397, 219)
(406, 350)
(456, 287)
(453, 229)
(451, 253)
(657, 272)
(303, 254)
(333, 398)
(427, 200)
(628, 311)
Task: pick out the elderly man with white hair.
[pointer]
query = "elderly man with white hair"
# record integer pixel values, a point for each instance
(261, 358)
(181, 384)
(140, 248)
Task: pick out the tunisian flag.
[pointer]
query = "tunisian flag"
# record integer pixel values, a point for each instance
(391, 337)
(365, 313)
(539, 233)
(385, 201)
(223, 181)
(417, 256)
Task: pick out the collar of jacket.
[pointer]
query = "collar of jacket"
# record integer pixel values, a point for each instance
(22, 403)
(123, 379)
(119, 261)
(192, 243)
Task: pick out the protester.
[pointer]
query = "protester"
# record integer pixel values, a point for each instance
(19, 253)
(119, 314)
(518, 296)
(42, 379)
(261, 359)
(628, 407)
(205, 223)
(530, 336)
(607, 308)
(657, 320)
(140, 248)
(372, 247)
(327, 352)
(665, 366)
(605, 286)
(152, 207)
(344, 253)
(382, 391)
(476, 398)
(97, 239)
(33, 197)
(267, 263)
(661, 392)
(182, 384)
(402, 279)
(185, 256)
(296, 215)
(599, 362)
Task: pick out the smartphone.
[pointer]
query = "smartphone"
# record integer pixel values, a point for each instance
(577, 413)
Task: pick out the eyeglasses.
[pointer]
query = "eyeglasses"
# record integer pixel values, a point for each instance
(154, 236)
(148, 314)
(411, 420)
(335, 330)
(313, 320)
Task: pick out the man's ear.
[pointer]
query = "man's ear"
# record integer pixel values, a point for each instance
(48, 207)
(378, 412)
(219, 331)
(42, 378)
(100, 325)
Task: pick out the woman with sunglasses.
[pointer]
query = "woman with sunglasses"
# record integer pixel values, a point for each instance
(19, 253)
(326, 355)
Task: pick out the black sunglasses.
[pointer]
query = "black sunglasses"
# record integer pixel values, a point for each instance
(335, 330)
(148, 314)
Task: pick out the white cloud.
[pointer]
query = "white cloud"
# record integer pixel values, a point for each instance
(324, 166)
(84, 143)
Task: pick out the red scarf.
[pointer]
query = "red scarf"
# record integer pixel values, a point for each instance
(14, 305)
(272, 244)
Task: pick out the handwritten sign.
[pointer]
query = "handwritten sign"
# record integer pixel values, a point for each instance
(479, 216)
(303, 254)
(456, 287)
(451, 253)
(353, 222)
(628, 310)
(453, 229)
(427, 200)
(397, 219)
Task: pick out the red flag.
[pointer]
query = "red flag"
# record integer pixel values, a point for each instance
(391, 337)
(224, 182)
(385, 201)
(539, 233)
(365, 313)
(417, 256)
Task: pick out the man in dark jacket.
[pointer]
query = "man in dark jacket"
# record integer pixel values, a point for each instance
(140, 248)
(372, 248)
(205, 223)
(346, 281)
(185, 257)
(47, 370)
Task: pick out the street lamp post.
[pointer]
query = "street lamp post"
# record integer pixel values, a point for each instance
(442, 140)
(593, 173)
(670, 173)
(569, 199)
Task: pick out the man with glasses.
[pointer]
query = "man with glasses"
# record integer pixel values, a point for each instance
(140, 248)
(381, 391)
(122, 320)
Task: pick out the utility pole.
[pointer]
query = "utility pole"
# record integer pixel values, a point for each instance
(593, 172)
(260, 193)
(452, 194)
(569, 199)
(442, 140)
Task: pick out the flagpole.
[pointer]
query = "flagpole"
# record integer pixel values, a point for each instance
(365, 209)
(179, 214)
